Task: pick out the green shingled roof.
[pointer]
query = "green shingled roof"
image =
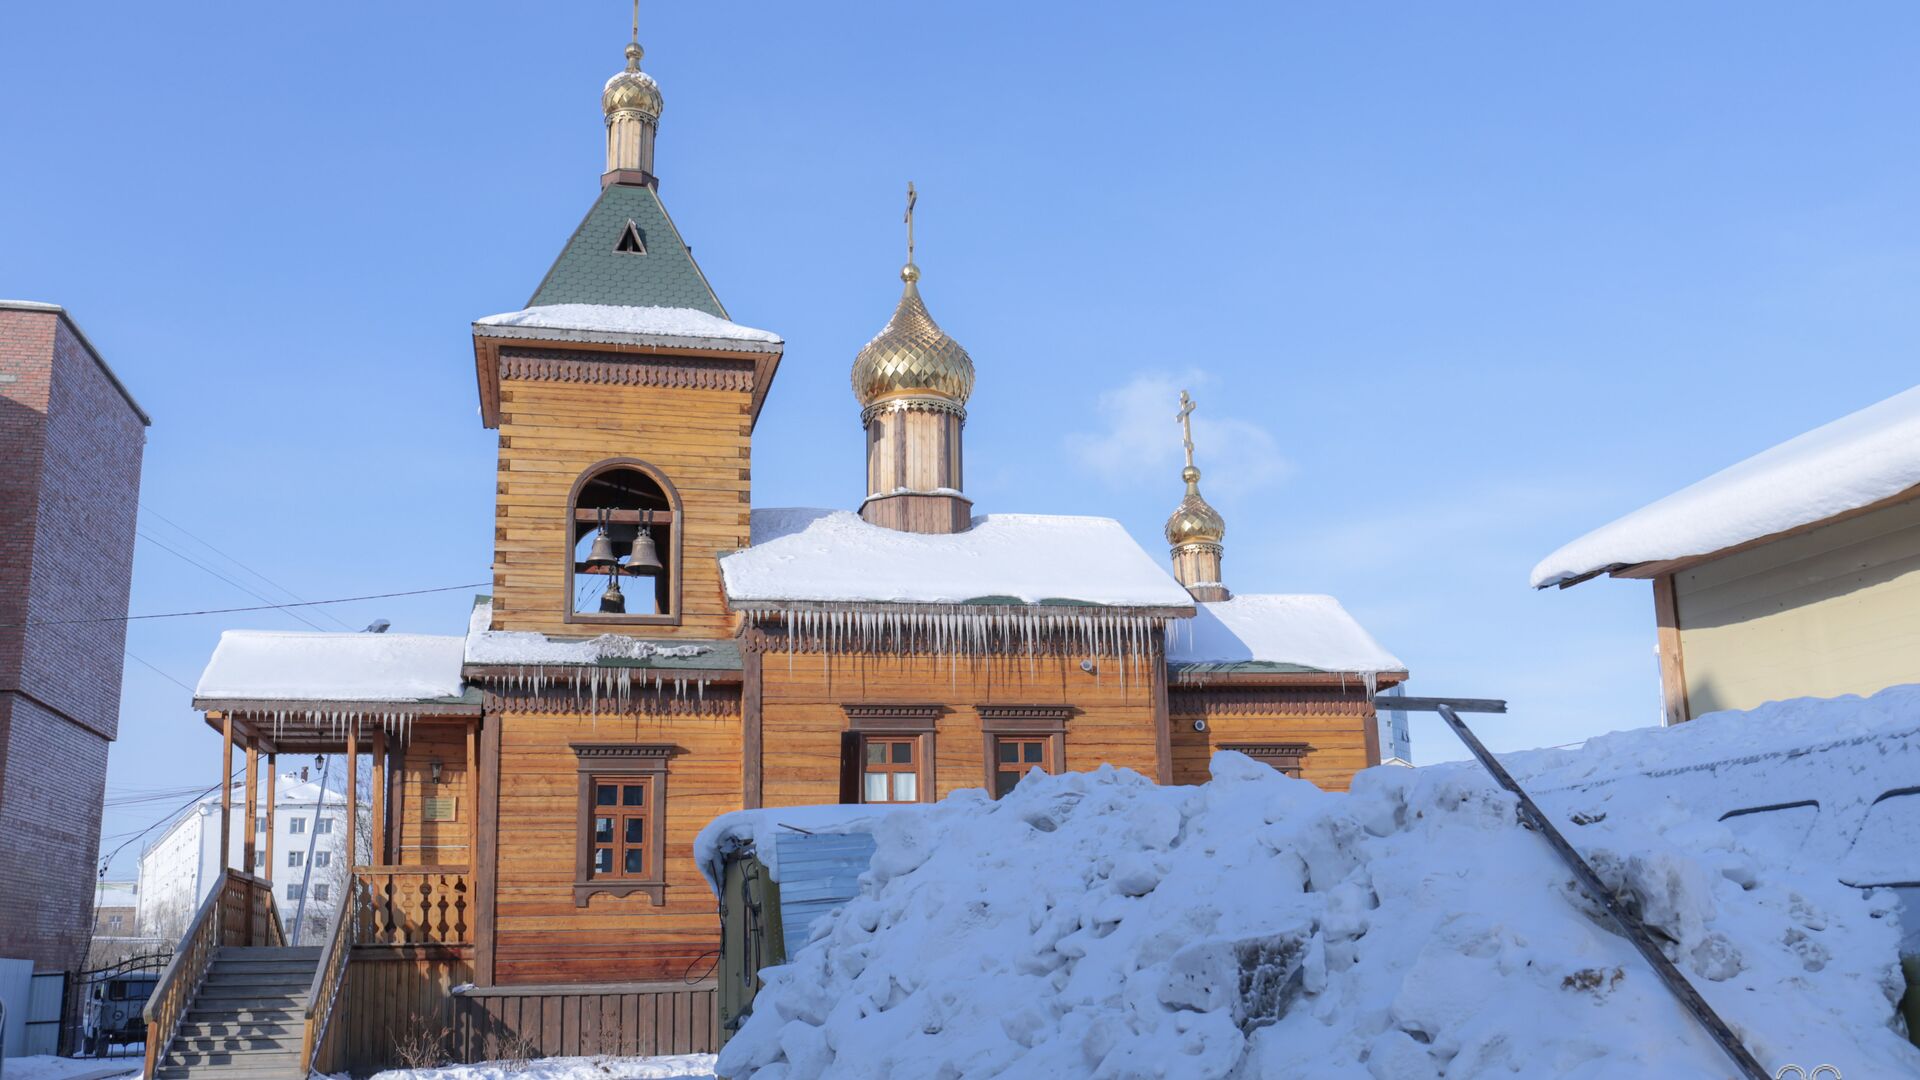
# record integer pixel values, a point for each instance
(591, 271)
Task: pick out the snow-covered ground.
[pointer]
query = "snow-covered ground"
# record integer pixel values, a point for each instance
(1097, 925)
(689, 1066)
(49, 1067)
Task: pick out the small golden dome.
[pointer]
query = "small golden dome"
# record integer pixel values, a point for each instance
(1195, 522)
(632, 89)
(912, 355)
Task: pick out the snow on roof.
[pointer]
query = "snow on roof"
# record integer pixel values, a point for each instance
(484, 646)
(316, 666)
(833, 555)
(618, 322)
(1854, 461)
(1305, 630)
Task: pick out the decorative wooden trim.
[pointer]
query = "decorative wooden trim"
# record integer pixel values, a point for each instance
(1287, 757)
(676, 565)
(1162, 722)
(712, 701)
(1188, 679)
(486, 860)
(674, 372)
(617, 759)
(1673, 665)
(752, 768)
(1189, 701)
(900, 719)
(1025, 719)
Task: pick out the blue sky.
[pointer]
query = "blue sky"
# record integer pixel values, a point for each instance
(1451, 283)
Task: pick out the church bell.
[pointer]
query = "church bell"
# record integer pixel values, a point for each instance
(602, 553)
(645, 559)
(611, 601)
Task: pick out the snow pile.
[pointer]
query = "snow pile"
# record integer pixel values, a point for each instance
(1306, 630)
(1094, 924)
(642, 322)
(666, 1067)
(833, 555)
(290, 665)
(1856, 460)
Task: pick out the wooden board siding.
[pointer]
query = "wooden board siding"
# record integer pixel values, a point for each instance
(539, 934)
(803, 713)
(391, 997)
(551, 432)
(1835, 610)
(1333, 721)
(417, 841)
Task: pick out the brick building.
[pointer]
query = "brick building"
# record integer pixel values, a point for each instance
(70, 444)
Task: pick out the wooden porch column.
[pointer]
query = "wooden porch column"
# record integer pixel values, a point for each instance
(380, 835)
(353, 795)
(251, 820)
(273, 770)
(473, 800)
(396, 800)
(226, 796)
(1673, 667)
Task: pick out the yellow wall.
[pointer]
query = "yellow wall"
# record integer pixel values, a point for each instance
(1829, 612)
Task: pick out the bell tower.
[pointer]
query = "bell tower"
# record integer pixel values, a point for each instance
(1196, 529)
(912, 382)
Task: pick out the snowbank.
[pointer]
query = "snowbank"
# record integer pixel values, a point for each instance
(643, 322)
(833, 555)
(1856, 460)
(1305, 630)
(293, 665)
(1094, 924)
(668, 1067)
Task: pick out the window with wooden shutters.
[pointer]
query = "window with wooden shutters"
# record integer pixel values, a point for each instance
(621, 820)
(1019, 739)
(1284, 757)
(888, 753)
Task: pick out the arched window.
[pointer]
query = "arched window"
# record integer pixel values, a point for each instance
(623, 564)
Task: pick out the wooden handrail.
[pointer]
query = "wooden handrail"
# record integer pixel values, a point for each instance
(166, 1004)
(329, 976)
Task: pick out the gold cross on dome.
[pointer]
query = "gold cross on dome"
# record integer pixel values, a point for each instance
(912, 197)
(1185, 416)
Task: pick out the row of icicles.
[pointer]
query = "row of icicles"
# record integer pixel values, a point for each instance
(399, 725)
(971, 634)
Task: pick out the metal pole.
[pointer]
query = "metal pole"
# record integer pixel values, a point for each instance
(1629, 922)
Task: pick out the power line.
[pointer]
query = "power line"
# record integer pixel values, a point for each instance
(151, 667)
(170, 815)
(232, 610)
(189, 560)
(203, 542)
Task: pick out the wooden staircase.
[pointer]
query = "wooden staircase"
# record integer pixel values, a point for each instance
(248, 1019)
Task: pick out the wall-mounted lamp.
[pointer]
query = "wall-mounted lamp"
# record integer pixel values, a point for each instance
(434, 767)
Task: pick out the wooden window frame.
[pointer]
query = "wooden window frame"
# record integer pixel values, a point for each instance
(646, 761)
(1286, 758)
(671, 557)
(897, 722)
(1047, 722)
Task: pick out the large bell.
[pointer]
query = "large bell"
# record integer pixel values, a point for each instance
(611, 601)
(645, 559)
(602, 553)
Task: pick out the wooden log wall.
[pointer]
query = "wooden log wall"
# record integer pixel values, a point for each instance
(1335, 721)
(804, 695)
(397, 998)
(417, 840)
(551, 432)
(540, 935)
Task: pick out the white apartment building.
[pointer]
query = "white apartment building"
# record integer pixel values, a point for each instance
(310, 862)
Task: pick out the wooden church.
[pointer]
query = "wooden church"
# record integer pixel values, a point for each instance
(656, 651)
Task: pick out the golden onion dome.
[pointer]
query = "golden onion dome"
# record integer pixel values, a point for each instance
(1195, 522)
(632, 89)
(912, 355)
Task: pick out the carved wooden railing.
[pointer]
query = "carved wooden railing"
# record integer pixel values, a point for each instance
(323, 996)
(238, 912)
(414, 905)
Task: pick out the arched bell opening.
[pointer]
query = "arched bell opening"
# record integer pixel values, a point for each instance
(624, 556)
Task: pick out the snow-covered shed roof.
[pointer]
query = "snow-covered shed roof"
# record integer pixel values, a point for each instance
(289, 665)
(1854, 461)
(618, 324)
(1278, 632)
(519, 647)
(834, 556)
